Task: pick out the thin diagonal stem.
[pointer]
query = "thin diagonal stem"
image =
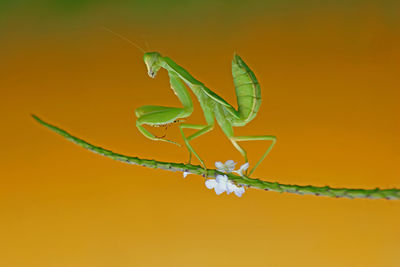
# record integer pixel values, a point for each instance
(376, 193)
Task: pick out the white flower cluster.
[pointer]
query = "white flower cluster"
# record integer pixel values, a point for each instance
(229, 166)
(222, 183)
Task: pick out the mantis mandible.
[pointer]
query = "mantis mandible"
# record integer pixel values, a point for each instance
(248, 95)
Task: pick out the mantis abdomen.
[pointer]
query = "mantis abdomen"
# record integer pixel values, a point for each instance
(248, 91)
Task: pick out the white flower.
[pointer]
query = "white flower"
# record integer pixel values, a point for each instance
(239, 191)
(222, 184)
(228, 167)
(219, 184)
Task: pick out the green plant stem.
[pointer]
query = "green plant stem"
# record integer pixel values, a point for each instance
(376, 193)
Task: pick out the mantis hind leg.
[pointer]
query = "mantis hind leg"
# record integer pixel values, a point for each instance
(234, 140)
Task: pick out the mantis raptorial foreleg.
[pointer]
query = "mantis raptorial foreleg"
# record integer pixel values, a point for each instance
(159, 115)
(156, 115)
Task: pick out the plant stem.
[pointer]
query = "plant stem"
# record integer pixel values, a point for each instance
(376, 193)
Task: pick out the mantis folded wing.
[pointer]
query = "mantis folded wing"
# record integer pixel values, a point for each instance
(248, 95)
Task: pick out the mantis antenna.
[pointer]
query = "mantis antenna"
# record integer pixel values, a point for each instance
(125, 39)
(147, 44)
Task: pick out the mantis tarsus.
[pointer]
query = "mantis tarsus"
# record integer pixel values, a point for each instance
(248, 95)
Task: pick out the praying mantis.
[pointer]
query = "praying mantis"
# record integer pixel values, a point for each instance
(214, 107)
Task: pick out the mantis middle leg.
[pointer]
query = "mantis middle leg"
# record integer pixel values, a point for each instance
(202, 130)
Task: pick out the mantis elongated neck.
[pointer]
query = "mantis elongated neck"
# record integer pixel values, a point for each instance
(195, 85)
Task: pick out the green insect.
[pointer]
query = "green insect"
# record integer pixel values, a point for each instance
(214, 107)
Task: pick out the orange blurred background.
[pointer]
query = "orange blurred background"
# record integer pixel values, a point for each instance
(329, 75)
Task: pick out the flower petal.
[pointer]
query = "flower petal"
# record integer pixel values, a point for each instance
(242, 169)
(220, 188)
(244, 166)
(230, 165)
(222, 178)
(219, 165)
(230, 162)
(239, 191)
(230, 187)
(211, 183)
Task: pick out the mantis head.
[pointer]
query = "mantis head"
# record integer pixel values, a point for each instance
(152, 61)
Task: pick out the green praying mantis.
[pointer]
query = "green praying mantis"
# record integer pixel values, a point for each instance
(248, 95)
(215, 108)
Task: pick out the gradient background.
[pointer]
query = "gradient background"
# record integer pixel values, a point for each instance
(330, 84)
